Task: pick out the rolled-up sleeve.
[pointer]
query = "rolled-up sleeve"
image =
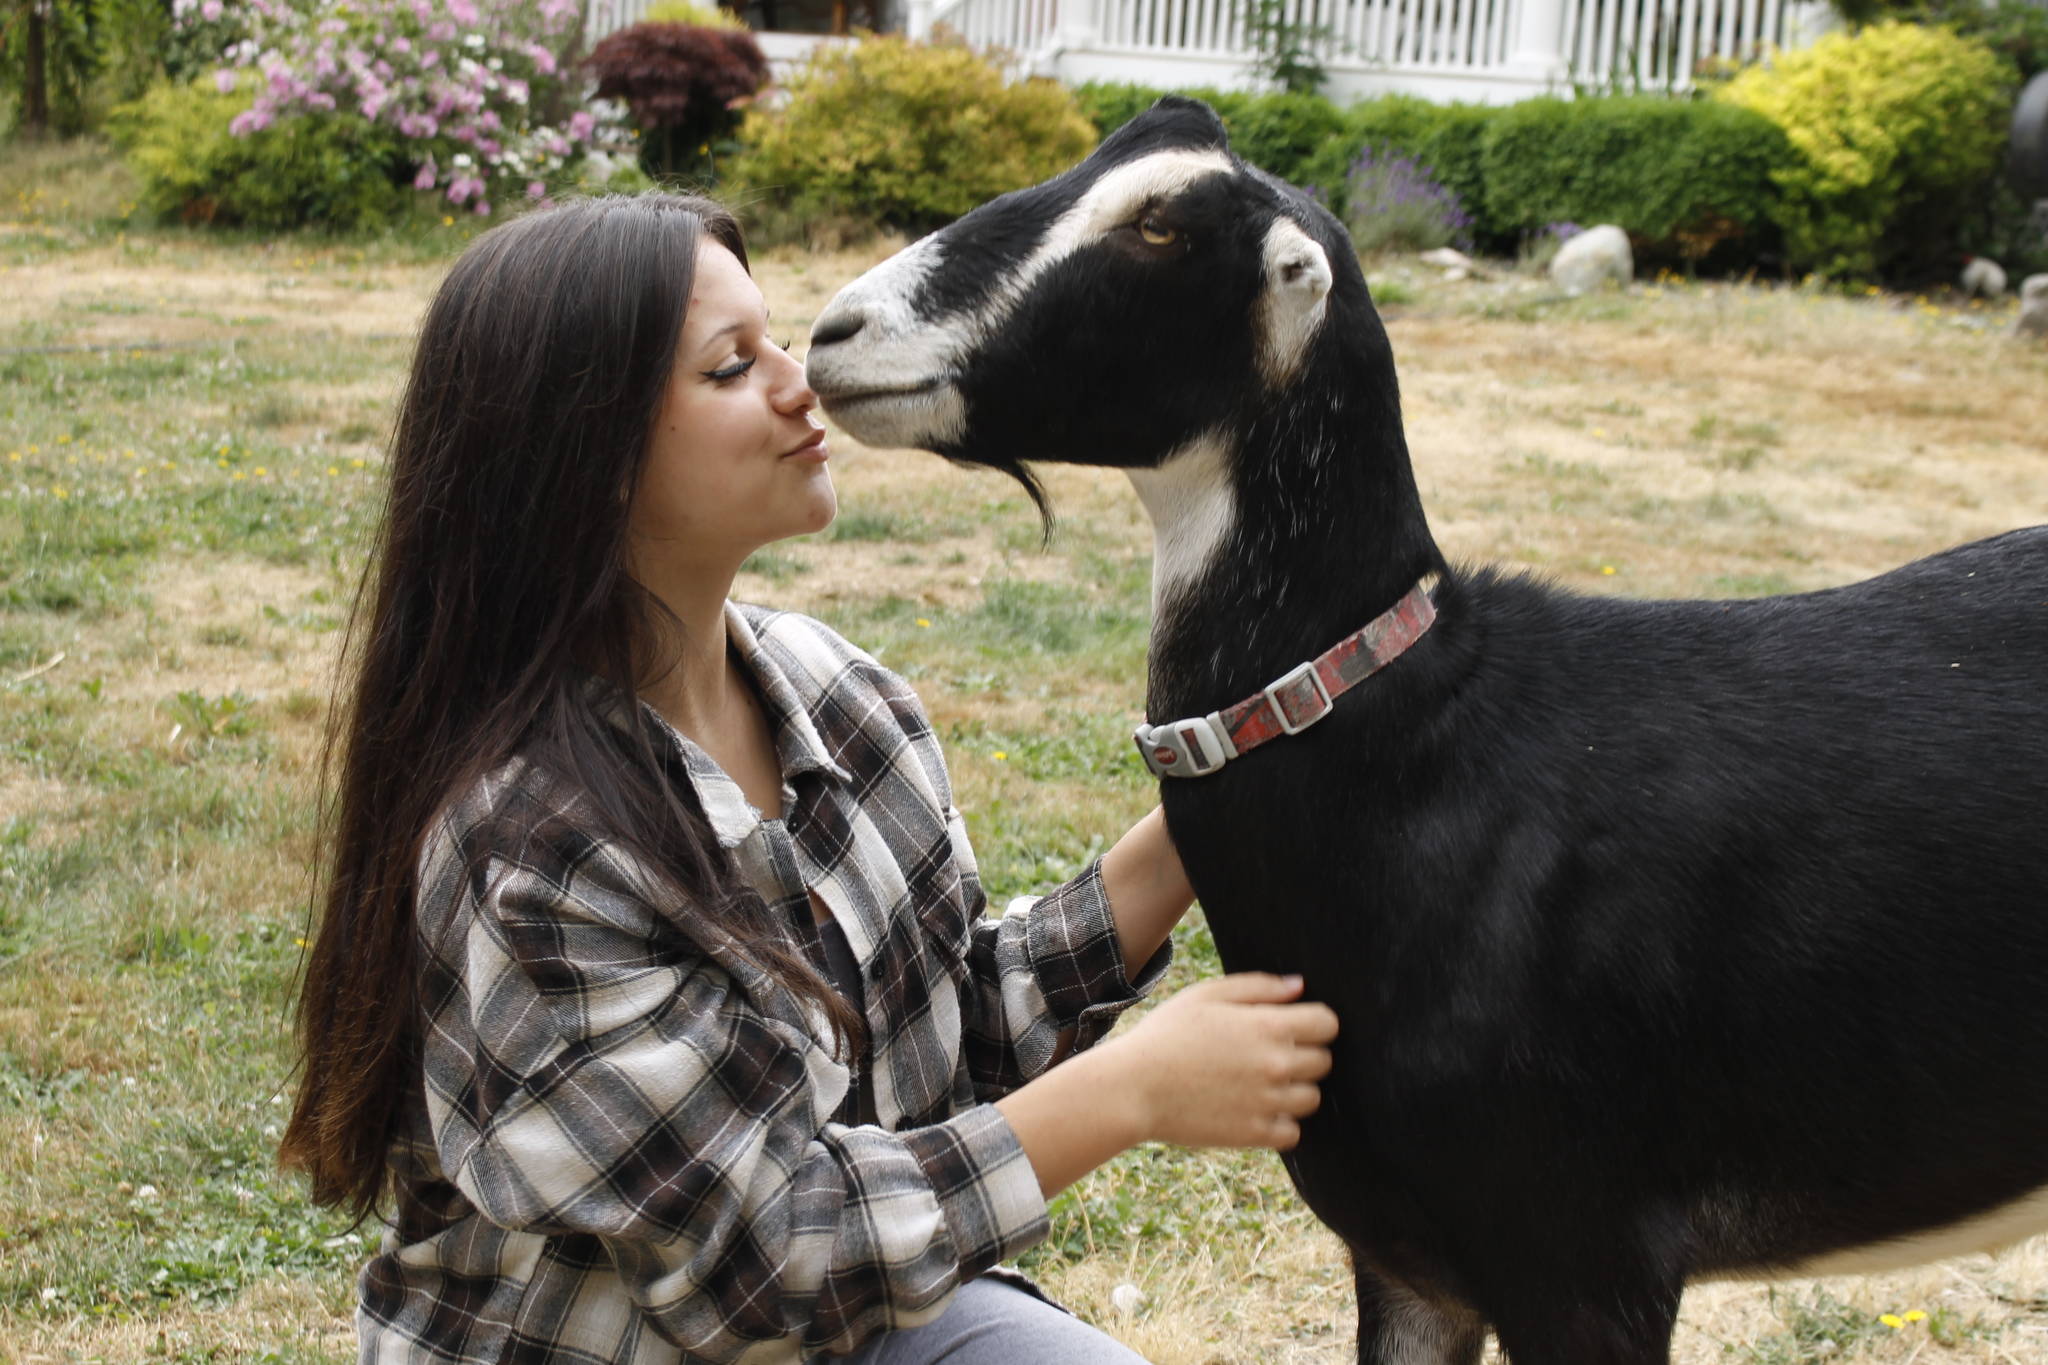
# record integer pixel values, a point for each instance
(590, 1073)
(1047, 978)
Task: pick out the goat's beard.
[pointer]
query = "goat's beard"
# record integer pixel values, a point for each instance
(1022, 473)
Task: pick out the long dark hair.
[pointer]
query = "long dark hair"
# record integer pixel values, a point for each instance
(498, 586)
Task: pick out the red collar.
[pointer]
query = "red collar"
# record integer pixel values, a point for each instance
(1200, 745)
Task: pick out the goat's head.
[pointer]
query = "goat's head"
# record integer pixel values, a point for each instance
(1157, 293)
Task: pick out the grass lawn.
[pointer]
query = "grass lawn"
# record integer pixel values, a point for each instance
(190, 460)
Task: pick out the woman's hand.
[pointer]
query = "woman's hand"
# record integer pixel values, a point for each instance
(1228, 1062)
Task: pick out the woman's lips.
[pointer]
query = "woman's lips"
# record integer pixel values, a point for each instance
(812, 448)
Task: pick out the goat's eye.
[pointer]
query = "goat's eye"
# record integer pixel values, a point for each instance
(1155, 232)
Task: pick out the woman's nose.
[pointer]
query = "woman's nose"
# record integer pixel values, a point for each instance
(791, 392)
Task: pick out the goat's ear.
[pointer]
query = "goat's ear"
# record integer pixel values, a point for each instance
(1297, 291)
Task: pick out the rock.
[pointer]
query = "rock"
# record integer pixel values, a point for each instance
(2033, 321)
(1448, 258)
(1983, 277)
(1127, 1299)
(1593, 258)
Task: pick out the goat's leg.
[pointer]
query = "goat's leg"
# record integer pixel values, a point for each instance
(1604, 1326)
(1397, 1326)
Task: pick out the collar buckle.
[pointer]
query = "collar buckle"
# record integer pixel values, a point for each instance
(1298, 693)
(1194, 747)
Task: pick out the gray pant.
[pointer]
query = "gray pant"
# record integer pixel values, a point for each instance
(992, 1323)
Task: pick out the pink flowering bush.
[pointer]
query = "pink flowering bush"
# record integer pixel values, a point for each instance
(474, 92)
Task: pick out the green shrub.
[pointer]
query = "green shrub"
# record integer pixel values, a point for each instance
(1283, 133)
(1895, 126)
(910, 134)
(1682, 177)
(1109, 105)
(336, 173)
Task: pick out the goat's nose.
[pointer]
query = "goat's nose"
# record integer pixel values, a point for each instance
(836, 325)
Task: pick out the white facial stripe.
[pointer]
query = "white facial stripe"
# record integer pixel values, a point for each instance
(1109, 203)
(1297, 293)
(1193, 511)
(895, 348)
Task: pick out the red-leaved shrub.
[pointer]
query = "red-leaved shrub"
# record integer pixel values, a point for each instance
(684, 86)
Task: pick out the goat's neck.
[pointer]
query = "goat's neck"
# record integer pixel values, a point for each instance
(1264, 557)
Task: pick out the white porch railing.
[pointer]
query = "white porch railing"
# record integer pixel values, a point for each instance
(1486, 50)
(1491, 51)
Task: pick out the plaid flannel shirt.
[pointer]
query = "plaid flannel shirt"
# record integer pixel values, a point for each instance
(624, 1148)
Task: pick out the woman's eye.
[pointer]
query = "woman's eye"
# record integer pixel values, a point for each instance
(1155, 232)
(732, 371)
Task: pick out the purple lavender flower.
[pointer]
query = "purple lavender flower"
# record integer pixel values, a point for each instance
(1394, 202)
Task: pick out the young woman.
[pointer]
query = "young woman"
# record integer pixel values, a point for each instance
(653, 998)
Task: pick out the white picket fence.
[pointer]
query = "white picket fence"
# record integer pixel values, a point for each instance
(1490, 51)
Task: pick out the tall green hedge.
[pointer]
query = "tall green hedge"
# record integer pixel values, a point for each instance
(1687, 176)
(1283, 132)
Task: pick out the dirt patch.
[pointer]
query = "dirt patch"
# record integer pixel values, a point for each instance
(103, 297)
(33, 796)
(207, 631)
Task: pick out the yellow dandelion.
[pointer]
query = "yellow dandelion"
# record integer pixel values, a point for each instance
(168, 465)
(64, 439)
(261, 471)
(128, 453)
(14, 456)
(356, 463)
(35, 450)
(1916, 1315)
(1891, 1320)
(922, 623)
(1607, 569)
(999, 755)
(221, 463)
(62, 493)
(239, 476)
(1599, 433)
(299, 942)
(447, 221)
(332, 471)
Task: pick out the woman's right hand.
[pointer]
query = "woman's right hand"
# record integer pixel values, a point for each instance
(1228, 1062)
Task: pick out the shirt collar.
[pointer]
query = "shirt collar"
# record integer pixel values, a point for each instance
(798, 746)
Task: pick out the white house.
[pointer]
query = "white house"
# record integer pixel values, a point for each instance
(1482, 51)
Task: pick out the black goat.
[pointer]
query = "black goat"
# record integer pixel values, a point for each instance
(1671, 939)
